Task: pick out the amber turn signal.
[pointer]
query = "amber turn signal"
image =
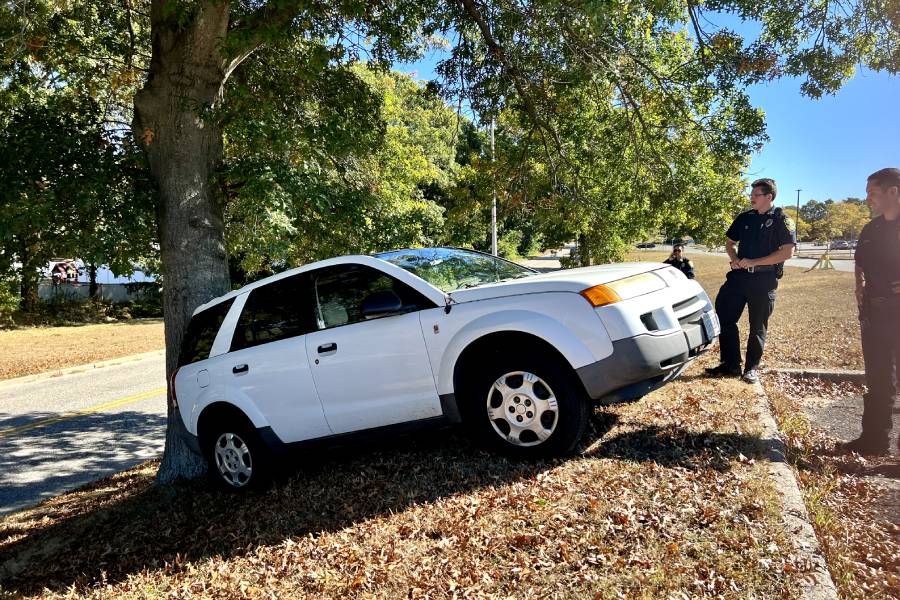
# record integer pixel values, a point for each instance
(600, 295)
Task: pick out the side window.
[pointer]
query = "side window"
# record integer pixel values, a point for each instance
(273, 312)
(339, 291)
(201, 333)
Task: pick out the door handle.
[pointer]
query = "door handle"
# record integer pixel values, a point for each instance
(240, 369)
(327, 348)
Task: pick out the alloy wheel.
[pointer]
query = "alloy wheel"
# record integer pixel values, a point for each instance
(233, 459)
(522, 409)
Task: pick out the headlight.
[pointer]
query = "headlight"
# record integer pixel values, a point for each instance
(630, 287)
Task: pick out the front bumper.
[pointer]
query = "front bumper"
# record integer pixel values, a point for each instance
(642, 363)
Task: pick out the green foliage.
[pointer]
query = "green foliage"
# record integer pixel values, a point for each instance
(328, 182)
(830, 220)
(9, 297)
(68, 191)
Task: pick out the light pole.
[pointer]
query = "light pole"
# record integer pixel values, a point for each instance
(493, 198)
(798, 208)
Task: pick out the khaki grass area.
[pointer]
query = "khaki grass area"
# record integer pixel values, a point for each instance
(32, 350)
(669, 498)
(814, 323)
(666, 499)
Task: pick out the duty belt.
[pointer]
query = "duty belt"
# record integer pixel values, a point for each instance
(761, 268)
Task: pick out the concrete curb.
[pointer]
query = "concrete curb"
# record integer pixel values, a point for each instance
(80, 368)
(818, 585)
(834, 375)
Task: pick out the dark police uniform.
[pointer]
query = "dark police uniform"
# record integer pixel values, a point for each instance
(757, 236)
(878, 256)
(682, 264)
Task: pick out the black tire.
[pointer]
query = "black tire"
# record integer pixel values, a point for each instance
(531, 380)
(237, 458)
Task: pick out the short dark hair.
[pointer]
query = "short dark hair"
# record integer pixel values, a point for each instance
(768, 186)
(677, 247)
(886, 178)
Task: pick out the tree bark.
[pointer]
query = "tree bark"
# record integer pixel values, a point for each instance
(28, 284)
(92, 281)
(184, 147)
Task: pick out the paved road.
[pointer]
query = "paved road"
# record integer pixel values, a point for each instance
(551, 263)
(60, 432)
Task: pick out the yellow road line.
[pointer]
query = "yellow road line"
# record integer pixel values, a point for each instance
(84, 411)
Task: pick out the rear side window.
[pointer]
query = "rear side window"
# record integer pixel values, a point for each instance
(273, 312)
(201, 333)
(339, 292)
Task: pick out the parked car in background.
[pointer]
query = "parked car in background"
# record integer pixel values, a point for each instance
(646, 245)
(839, 245)
(424, 337)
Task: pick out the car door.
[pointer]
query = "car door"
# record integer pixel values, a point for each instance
(268, 362)
(369, 372)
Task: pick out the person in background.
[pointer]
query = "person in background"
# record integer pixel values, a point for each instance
(678, 260)
(758, 242)
(878, 297)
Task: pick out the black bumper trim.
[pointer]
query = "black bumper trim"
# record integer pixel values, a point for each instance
(641, 364)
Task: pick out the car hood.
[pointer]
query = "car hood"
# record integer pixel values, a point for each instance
(566, 280)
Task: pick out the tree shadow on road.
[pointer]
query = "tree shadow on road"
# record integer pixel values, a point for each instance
(41, 457)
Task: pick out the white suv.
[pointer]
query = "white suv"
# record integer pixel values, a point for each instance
(426, 337)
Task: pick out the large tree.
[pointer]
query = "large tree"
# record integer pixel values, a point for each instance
(533, 59)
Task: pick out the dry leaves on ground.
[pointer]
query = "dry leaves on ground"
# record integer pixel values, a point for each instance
(860, 539)
(666, 500)
(30, 350)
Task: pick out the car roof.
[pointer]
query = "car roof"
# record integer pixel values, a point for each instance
(416, 282)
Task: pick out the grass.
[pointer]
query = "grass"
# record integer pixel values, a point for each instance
(30, 350)
(667, 498)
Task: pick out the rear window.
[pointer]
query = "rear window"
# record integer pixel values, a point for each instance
(201, 333)
(275, 311)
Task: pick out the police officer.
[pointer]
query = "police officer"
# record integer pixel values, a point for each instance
(878, 297)
(677, 260)
(765, 238)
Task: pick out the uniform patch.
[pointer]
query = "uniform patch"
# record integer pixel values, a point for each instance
(789, 223)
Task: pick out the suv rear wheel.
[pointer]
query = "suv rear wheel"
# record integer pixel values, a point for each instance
(526, 406)
(236, 456)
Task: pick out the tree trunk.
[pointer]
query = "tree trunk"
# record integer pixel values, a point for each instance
(92, 279)
(28, 284)
(585, 255)
(29, 290)
(184, 147)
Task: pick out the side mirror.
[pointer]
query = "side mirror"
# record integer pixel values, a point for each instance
(381, 304)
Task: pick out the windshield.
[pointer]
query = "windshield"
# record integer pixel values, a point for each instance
(450, 269)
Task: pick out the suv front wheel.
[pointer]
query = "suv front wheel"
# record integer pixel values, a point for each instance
(526, 407)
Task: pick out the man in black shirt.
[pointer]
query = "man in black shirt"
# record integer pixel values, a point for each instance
(878, 297)
(765, 238)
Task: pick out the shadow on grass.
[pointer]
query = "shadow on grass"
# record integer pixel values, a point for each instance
(166, 527)
(677, 447)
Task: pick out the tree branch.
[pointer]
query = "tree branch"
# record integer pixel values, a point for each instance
(514, 73)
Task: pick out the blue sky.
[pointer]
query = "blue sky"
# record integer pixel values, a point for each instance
(825, 147)
(828, 147)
